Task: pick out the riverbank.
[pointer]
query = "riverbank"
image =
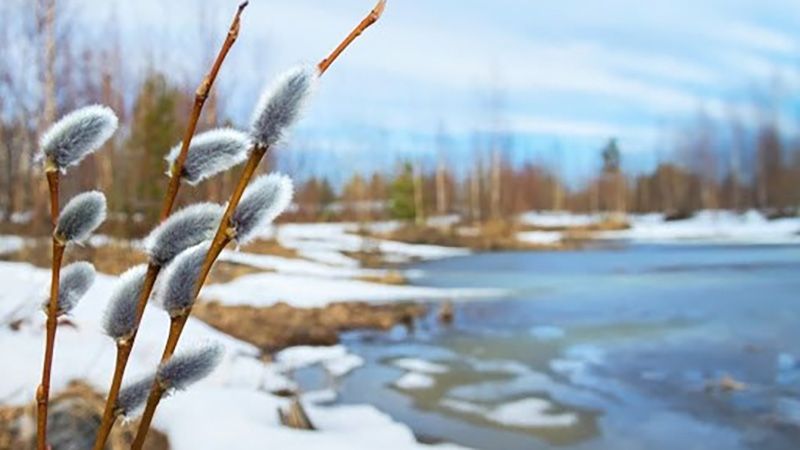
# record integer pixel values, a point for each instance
(299, 282)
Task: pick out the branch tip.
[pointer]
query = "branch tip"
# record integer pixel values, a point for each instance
(377, 11)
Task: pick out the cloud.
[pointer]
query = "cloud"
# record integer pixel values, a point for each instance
(566, 69)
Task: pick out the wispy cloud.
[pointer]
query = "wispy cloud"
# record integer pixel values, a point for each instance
(612, 68)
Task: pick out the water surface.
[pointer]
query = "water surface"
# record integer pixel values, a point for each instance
(657, 347)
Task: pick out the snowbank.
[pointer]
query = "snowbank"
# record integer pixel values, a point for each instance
(559, 219)
(540, 237)
(264, 289)
(230, 409)
(316, 239)
(710, 227)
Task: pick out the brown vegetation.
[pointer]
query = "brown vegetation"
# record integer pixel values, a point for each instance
(275, 327)
(77, 407)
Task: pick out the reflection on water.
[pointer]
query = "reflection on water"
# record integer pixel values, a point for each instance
(656, 347)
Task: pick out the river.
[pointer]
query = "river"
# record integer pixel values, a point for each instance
(631, 347)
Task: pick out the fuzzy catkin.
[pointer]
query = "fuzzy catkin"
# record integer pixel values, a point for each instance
(185, 228)
(81, 216)
(210, 153)
(262, 201)
(281, 105)
(133, 396)
(176, 292)
(120, 316)
(76, 135)
(76, 279)
(188, 367)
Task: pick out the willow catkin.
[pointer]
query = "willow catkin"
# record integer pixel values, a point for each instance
(76, 135)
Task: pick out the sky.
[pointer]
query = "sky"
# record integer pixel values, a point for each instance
(560, 78)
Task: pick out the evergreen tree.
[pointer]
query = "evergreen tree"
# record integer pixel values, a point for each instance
(401, 194)
(155, 128)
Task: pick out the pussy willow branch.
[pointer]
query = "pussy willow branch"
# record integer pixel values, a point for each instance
(225, 234)
(125, 346)
(43, 391)
(371, 18)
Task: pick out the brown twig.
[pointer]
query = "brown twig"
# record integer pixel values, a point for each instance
(43, 391)
(371, 18)
(110, 414)
(201, 94)
(124, 347)
(221, 239)
(224, 235)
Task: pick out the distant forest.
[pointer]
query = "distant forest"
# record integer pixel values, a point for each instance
(733, 163)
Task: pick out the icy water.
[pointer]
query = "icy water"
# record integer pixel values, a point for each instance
(624, 348)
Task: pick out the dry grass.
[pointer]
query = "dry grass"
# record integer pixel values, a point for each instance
(270, 247)
(114, 258)
(279, 326)
(488, 236)
(392, 277)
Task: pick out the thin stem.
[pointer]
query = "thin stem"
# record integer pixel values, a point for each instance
(43, 391)
(201, 94)
(147, 417)
(223, 235)
(124, 347)
(371, 18)
(221, 239)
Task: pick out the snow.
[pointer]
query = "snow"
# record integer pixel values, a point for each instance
(414, 380)
(11, 244)
(296, 266)
(232, 408)
(530, 412)
(340, 237)
(559, 219)
(218, 417)
(334, 359)
(419, 365)
(525, 413)
(540, 237)
(722, 227)
(264, 289)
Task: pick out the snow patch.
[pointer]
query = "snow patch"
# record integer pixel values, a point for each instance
(540, 237)
(526, 413)
(419, 365)
(414, 380)
(334, 359)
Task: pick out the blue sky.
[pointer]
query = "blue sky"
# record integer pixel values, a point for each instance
(565, 74)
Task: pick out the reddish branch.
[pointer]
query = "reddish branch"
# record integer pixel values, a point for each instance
(224, 234)
(125, 346)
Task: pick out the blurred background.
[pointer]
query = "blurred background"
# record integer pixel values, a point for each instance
(482, 110)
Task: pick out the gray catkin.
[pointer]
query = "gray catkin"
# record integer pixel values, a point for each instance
(210, 153)
(176, 290)
(120, 316)
(76, 135)
(281, 105)
(185, 228)
(133, 396)
(81, 216)
(188, 367)
(262, 201)
(76, 279)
